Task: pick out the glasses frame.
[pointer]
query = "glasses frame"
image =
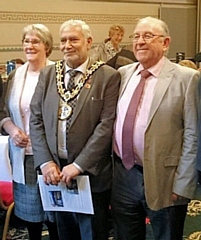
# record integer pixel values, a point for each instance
(147, 37)
(34, 42)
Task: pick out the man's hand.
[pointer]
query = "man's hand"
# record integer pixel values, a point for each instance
(68, 173)
(51, 173)
(176, 197)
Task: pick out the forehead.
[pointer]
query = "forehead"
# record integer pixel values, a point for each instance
(145, 26)
(118, 31)
(72, 30)
(32, 35)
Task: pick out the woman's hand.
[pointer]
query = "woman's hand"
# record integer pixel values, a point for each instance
(19, 137)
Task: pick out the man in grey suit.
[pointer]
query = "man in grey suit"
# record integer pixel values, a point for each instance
(155, 175)
(61, 152)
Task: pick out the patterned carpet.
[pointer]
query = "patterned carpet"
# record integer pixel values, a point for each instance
(192, 230)
(17, 229)
(21, 234)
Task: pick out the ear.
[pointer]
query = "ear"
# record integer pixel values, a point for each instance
(89, 42)
(47, 51)
(166, 43)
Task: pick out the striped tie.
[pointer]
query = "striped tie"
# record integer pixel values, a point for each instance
(72, 102)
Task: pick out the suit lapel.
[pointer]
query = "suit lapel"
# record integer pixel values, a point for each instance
(161, 87)
(80, 102)
(55, 103)
(82, 96)
(126, 74)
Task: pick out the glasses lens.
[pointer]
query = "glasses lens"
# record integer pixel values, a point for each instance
(34, 42)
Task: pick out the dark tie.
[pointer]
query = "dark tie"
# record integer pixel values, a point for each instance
(72, 102)
(71, 82)
(128, 156)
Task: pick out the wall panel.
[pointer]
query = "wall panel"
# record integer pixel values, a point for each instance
(182, 26)
(100, 15)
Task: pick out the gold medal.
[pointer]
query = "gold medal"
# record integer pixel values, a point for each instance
(65, 111)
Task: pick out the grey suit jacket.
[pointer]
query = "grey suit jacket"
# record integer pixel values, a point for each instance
(90, 133)
(170, 143)
(199, 129)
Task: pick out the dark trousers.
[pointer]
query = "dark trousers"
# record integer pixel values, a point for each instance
(35, 230)
(77, 226)
(129, 209)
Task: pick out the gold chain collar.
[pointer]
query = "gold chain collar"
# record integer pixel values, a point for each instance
(65, 94)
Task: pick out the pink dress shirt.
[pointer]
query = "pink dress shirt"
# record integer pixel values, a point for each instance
(142, 113)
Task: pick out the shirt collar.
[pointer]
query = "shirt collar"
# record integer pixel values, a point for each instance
(82, 68)
(154, 70)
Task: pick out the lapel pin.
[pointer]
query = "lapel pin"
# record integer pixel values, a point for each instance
(88, 83)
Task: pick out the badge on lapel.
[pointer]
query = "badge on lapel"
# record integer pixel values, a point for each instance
(88, 83)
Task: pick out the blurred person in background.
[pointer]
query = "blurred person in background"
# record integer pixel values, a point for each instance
(37, 46)
(188, 63)
(18, 62)
(110, 46)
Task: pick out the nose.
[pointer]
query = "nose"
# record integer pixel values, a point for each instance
(140, 39)
(29, 44)
(68, 43)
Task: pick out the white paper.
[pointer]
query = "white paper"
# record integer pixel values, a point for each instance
(61, 198)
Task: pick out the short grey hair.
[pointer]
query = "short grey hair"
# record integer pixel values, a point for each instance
(77, 23)
(157, 24)
(42, 32)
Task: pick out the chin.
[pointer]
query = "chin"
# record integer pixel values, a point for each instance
(69, 58)
(30, 56)
(141, 57)
(30, 59)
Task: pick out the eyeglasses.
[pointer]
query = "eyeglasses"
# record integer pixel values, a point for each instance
(147, 37)
(70, 41)
(34, 42)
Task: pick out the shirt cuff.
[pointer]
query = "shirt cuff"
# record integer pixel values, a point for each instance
(78, 167)
(42, 165)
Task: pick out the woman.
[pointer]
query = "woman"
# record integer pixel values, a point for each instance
(110, 46)
(37, 46)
